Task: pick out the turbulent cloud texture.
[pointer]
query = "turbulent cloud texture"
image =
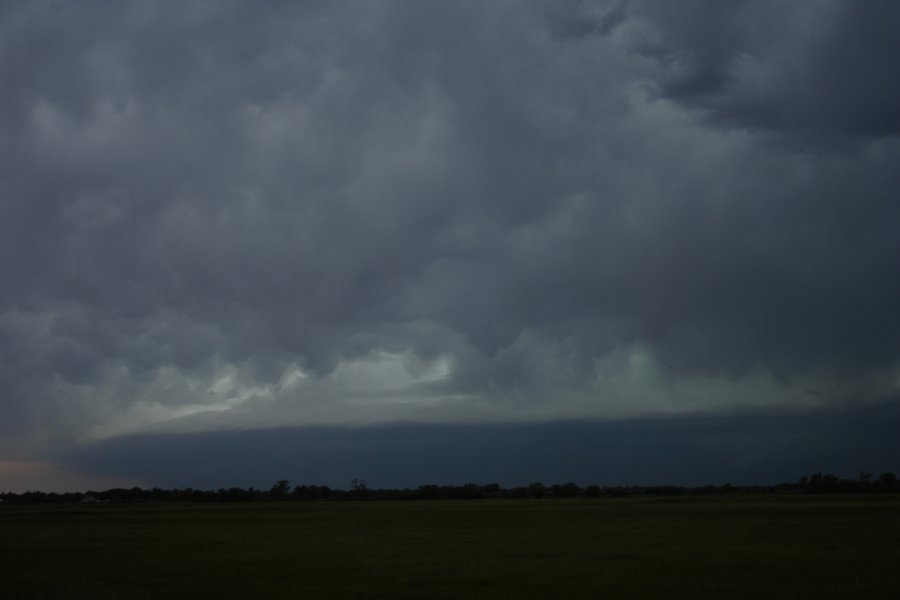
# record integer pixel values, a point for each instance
(231, 214)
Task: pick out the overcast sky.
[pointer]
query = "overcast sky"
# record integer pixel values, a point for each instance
(221, 216)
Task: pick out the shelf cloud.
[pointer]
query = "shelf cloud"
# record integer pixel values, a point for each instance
(224, 215)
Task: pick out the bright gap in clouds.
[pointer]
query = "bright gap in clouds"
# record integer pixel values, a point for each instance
(395, 387)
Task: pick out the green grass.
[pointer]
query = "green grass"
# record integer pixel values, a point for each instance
(686, 547)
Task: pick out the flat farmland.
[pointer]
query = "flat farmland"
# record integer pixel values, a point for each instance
(642, 547)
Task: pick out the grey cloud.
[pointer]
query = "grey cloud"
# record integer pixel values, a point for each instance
(822, 70)
(520, 189)
(749, 449)
(584, 18)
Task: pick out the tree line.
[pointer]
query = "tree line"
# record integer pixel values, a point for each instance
(282, 491)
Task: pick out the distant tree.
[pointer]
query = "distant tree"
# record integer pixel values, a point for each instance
(490, 490)
(592, 491)
(566, 490)
(470, 491)
(517, 492)
(428, 492)
(358, 488)
(536, 489)
(817, 483)
(280, 490)
(887, 481)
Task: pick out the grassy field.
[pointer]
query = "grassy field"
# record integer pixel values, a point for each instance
(686, 547)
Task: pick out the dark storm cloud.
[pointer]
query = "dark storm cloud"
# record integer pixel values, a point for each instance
(584, 18)
(823, 70)
(198, 199)
(745, 449)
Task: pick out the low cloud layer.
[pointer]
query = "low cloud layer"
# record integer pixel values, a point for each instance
(746, 449)
(218, 214)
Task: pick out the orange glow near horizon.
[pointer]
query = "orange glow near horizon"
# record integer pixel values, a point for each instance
(22, 476)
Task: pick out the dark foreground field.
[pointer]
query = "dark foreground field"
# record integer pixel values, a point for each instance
(717, 547)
